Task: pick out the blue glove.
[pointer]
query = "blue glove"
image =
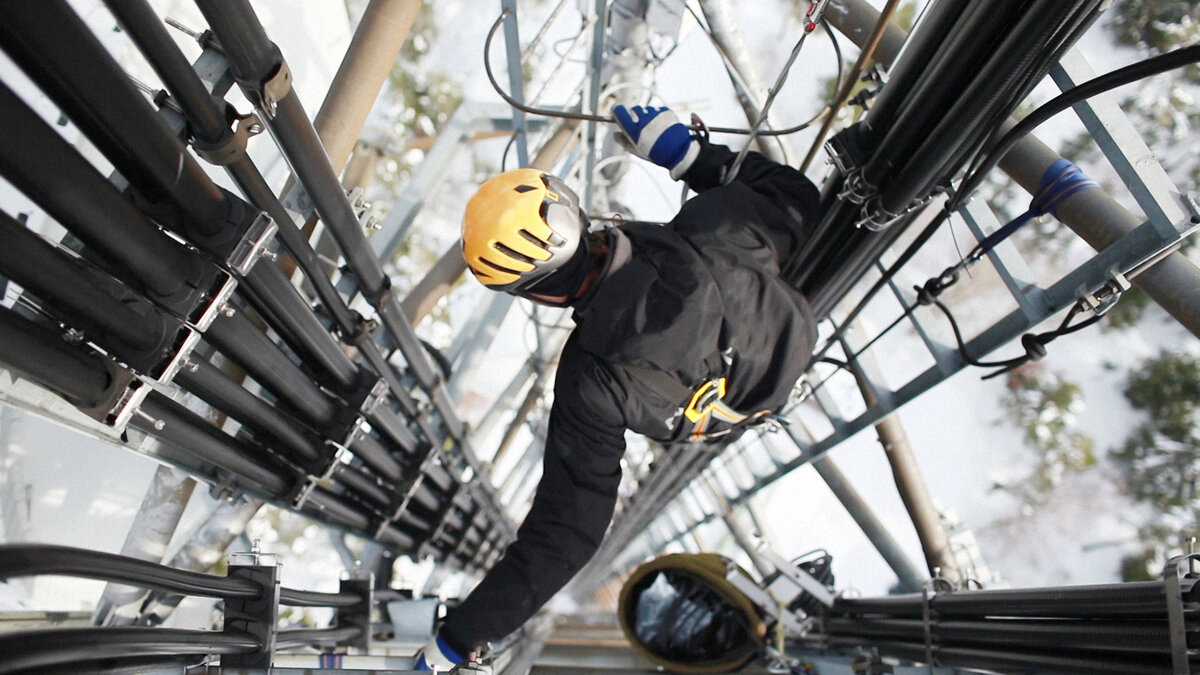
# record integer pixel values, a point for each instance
(659, 136)
(436, 656)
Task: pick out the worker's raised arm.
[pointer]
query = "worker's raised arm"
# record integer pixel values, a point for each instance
(657, 135)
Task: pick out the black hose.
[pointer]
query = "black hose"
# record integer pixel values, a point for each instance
(279, 302)
(1120, 77)
(37, 649)
(295, 598)
(79, 299)
(38, 162)
(997, 85)
(23, 560)
(205, 115)
(84, 378)
(217, 389)
(171, 422)
(240, 339)
(59, 52)
(303, 637)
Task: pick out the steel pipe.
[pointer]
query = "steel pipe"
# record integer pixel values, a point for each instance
(373, 50)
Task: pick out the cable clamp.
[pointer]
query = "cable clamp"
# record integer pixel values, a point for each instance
(877, 219)
(274, 89)
(377, 396)
(855, 188)
(255, 244)
(1106, 296)
(308, 482)
(202, 319)
(816, 10)
(362, 210)
(232, 145)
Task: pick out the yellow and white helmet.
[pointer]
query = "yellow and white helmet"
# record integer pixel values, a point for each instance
(523, 232)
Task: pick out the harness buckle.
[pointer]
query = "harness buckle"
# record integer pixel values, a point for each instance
(707, 396)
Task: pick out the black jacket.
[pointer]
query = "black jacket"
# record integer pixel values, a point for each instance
(707, 281)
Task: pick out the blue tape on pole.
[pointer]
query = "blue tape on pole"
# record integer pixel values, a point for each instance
(1061, 180)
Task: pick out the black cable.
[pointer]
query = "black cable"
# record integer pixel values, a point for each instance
(1034, 343)
(585, 117)
(883, 281)
(21, 560)
(1131, 73)
(297, 598)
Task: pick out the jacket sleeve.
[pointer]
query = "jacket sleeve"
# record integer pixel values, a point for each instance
(570, 513)
(782, 185)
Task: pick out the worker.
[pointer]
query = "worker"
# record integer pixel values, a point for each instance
(683, 332)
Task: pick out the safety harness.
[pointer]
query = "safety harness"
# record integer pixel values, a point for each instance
(705, 402)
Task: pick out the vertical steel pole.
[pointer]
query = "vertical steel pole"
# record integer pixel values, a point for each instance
(151, 531)
(516, 78)
(373, 50)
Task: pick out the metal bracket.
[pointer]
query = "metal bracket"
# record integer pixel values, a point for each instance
(340, 455)
(401, 506)
(767, 602)
(131, 401)
(274, 89)
(362, 210)
(202, 321)
(1103, 298)
(233, 146)
(1177, 628)
(258, 616)
(801, 578)
(254, 245)
(358, 615)
(377, 397)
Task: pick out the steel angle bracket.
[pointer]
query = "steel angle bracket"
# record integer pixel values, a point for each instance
(308, 482)
(764, 600)
(401, 505)
(202, 319)
(131, 402)
(255, 244)
(801, 578)
(1179, 580)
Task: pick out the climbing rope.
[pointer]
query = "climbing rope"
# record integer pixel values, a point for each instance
(1061, 180)
(816, 9)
